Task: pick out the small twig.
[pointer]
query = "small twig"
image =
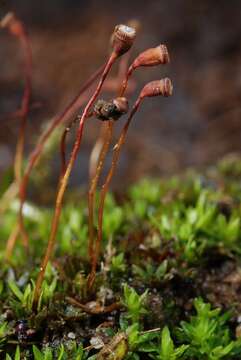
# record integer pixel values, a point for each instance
(90, 309)
(150, 331)
(15, 342)
(88, 348)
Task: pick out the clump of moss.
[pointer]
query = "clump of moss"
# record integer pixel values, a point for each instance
(167, 287)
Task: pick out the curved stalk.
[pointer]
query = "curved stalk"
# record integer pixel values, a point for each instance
(63, 144)
(125, 81)
(65, 178)
(24, 110)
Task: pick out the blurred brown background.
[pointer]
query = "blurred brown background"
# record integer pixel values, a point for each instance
(196, 126)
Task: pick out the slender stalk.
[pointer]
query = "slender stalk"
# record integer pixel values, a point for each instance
(63, 142)
(107, 136)
(24, 110)
(65, 178)
(104, 189)
(24, 106)
(69, 111)
(125, 81)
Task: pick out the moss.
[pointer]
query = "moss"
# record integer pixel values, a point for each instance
(168, 286)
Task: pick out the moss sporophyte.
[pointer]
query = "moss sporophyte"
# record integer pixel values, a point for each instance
(152, 293)
(122, 40)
